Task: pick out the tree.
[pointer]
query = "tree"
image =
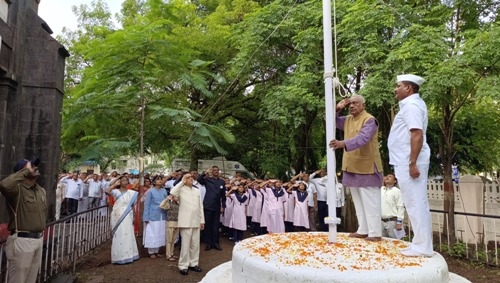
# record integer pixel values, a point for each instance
(279, 51)
(143, 64)
(450, 43)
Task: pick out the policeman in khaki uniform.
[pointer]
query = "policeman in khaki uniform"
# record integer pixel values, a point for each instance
(27, 206)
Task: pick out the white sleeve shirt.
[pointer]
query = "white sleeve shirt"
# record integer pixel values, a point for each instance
(73, 188)
(94, 188)
(311, 190)
(321, 187)
(412, 115)
(392, 203)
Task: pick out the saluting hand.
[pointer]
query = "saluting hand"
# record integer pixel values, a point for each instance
(343, 104)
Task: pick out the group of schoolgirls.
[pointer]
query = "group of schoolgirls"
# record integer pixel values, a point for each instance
(264, 207)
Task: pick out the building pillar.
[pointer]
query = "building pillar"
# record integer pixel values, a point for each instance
(469, 229)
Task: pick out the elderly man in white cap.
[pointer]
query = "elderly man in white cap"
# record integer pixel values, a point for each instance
(410, 155)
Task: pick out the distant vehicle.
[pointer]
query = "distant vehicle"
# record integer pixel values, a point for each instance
(228, 168)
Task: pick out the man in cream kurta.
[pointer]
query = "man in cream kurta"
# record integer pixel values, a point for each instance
(190, 221)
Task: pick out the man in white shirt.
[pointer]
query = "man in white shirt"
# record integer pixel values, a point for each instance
(197, 184)
(320, 184)
(105, 180)
(95, 191)
(83, 202)
(74, 186)
(393, 209)
(410, 156)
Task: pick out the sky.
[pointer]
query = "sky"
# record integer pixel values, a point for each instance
(58, 13)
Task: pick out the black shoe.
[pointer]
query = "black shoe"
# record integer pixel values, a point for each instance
(195, 268)
(208, 247)
(184, 271)
(217, 247)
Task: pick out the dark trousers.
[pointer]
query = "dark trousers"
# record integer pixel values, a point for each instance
(322, 213)
(255, 229)
(94, 202)
(289, 226)
(238, 235)
(72, 206)
(300, 229)
(212, 219)
(249, 222)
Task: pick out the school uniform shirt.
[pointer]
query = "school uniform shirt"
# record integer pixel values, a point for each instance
(257, 209)
(289, 208)
(320, 184)
(238, 219)
(300, 214)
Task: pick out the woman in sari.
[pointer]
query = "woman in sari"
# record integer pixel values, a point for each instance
(154, 219)
(124, 246)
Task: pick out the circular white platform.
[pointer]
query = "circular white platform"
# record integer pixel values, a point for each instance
(308, 257)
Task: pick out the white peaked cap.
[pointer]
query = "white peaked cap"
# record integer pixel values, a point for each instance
(411, 78)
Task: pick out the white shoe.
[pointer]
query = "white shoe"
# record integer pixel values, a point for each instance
(412, 253)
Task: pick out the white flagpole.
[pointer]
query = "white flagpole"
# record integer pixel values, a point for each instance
(330, 121)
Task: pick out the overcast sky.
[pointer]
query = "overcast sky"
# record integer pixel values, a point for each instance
(58, 14)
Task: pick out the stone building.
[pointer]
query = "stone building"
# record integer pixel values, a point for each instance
(31, 94)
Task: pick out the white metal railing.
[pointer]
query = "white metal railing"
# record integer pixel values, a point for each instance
(474, 247)
(67, 240)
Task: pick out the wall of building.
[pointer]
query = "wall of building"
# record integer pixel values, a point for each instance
(31, 94)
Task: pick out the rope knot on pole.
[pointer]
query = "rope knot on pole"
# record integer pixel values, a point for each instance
(328, 74)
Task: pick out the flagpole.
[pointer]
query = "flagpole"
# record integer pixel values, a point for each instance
(330, 121)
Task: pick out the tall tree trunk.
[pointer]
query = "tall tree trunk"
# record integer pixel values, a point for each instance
(193, 159)
(446, 151)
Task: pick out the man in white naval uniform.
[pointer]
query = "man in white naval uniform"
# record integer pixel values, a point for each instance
(410, 155)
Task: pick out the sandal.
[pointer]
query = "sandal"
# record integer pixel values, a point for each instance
(176, 257)
(172, 259)
(159, 255)
(153, 256)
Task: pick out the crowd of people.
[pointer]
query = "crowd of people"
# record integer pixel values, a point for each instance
(198, 207)
(217, 205)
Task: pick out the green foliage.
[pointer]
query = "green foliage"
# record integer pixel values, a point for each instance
(244, 78)
(133, 65)
(459, 250)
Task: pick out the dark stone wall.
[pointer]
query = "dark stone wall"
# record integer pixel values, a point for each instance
(31, 94)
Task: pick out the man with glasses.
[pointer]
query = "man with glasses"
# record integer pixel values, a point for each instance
(361, 165)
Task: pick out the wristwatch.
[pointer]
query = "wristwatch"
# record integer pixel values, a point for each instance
(412, 162)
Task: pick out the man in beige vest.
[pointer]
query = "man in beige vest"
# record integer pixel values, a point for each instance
(190, 221)
(361, 165)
